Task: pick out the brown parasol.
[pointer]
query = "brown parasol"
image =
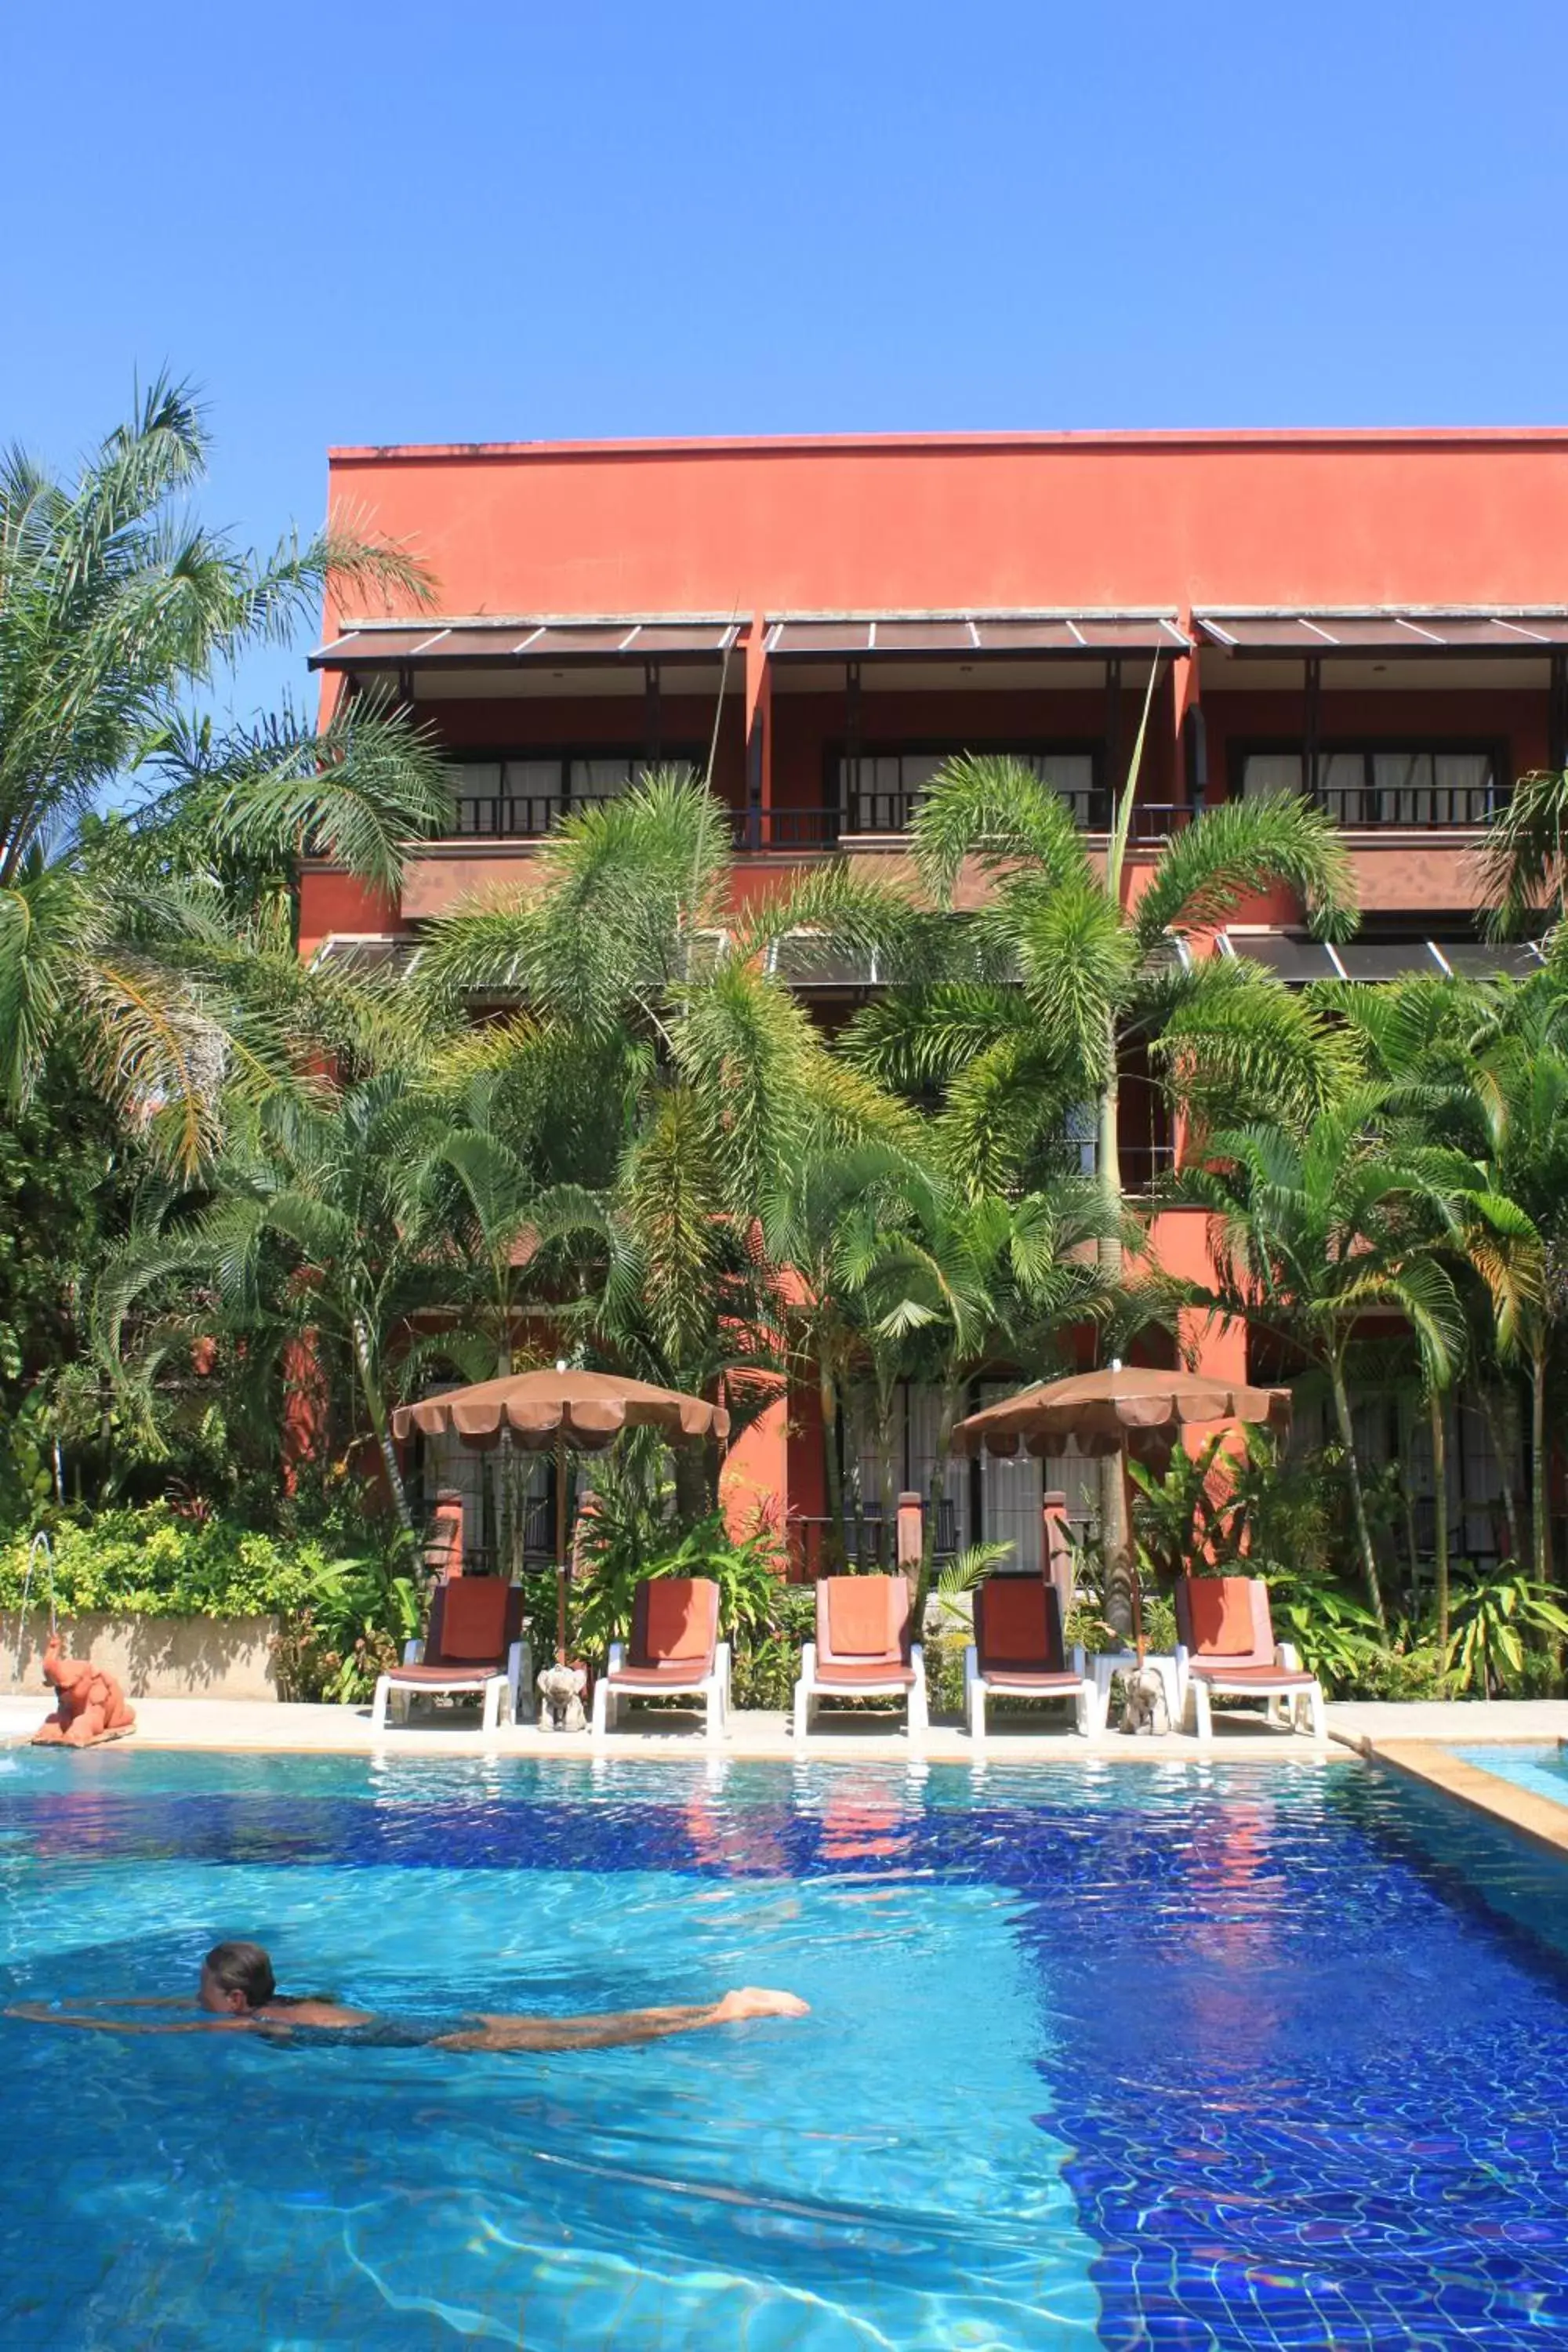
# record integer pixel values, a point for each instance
(1126, 1411)
(584, 1412)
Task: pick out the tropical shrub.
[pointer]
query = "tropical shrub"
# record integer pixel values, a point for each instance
(1497, 1621)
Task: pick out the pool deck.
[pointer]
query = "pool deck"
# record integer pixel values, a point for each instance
(1410, 1738)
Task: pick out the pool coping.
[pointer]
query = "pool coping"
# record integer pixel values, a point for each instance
(1538, 1818)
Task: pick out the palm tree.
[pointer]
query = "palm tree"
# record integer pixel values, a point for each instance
(112, 605)
(1312, 1236)
(1064, 970)
(959, 1285)
(307, 1231)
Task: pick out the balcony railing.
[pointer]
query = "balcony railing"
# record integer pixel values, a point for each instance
(517, 816)
(889, 815)
(1425, 806)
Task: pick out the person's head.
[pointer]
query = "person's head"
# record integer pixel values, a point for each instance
(235, 1978)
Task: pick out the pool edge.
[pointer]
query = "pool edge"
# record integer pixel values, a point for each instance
(1544, 1824)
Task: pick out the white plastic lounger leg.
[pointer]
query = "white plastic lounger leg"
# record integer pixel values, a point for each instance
(378, 1712)
(974, 1695)
(801, 1708)
(918, 1715)
(601, 1706)
(1315, 1716)
(1203, 1718)
(495, 1691)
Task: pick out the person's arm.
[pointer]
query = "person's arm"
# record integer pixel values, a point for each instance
(38, 2013)
(614, 2030)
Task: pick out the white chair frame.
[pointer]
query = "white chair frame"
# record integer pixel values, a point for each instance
(712, 1687)
(1087, 1718)
(808, 1690)
(511, 1689)
(1197, 1690)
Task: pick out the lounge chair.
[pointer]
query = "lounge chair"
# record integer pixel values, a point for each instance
(1225, 1642)
(862, 1649)
(474, 1649)
(674, 1652)
(1018, 1652)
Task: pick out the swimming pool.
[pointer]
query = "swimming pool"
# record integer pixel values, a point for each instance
(1120, 2055)
(1540, 1769)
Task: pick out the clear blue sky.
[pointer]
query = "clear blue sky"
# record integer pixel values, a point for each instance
(515, 221)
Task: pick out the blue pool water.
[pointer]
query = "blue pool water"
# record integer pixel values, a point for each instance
(1542, 1768)
(1125, 2056)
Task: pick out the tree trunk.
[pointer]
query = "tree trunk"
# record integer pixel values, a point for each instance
(1502, 1429)
(1358, 1501)
(832, 1470)
(888, 1493)
(1437, 1404)
(380, 1426)
(1115, 1535)
(1539, 1470)
(946, 1422)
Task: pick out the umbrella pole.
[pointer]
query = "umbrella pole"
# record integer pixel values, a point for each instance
(561, 1545)
(1127, 1492)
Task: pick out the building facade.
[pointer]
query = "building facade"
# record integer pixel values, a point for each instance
(1378, 620)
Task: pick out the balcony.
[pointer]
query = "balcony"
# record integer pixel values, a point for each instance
(890, 815)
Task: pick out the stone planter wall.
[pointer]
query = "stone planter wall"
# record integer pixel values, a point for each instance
(153, 1658)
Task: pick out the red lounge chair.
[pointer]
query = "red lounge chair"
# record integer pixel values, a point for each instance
(675, 1652)
(1018, 1652)
(1225, 1642)
(474, 1648)
(862, 1649)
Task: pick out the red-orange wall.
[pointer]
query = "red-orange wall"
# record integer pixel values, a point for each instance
(1072, 521)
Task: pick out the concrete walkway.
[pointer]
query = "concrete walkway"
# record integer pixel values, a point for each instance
(265, 1726)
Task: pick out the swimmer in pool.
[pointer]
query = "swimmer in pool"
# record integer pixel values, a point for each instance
(239, 1993)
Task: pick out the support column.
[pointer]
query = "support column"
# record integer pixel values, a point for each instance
(653, 715)
(1189, 745)
(759, 737)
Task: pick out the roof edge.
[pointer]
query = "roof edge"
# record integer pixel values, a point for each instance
(1427, 437)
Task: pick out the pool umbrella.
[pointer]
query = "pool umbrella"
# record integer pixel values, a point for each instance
(1128, 1411)
(584, 1412)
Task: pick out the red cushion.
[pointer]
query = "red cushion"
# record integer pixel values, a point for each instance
(1013, 1622)
(860, 1616)
(680, 1619)
(473, 1619)
(1219, 1610)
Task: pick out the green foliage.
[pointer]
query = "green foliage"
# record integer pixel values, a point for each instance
(749, 1571)
(1494, 1622)
(151, 1562)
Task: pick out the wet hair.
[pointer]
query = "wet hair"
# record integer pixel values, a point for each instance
(243, 1968)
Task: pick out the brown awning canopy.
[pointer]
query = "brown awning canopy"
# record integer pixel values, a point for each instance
(588, 1410)
(1103, 1412)
(970, 636)
(1385, 634)
(506, 644)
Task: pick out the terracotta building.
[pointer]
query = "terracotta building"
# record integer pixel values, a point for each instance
(1378, 619)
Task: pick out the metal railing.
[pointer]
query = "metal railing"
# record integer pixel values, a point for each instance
(1418, 805)
(518, 816)
(890, 814)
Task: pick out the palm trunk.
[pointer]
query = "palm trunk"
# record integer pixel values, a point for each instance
(1539, 1477)
(832, 1468)
(1115, 1534)
(376, 1408)
(1358, 1499)
(887, 1497)
(1436, 1403)
(946, 1422)
(1502, 1429)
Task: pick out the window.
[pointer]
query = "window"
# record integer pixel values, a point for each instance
(521, 798)
(879, 791)
(1386, 785)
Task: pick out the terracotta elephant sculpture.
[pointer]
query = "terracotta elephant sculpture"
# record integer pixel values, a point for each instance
(91, 1705)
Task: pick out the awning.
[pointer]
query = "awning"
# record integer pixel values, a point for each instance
(1297, 959)
(970, 636)
(556, 644)
(1385, 634)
